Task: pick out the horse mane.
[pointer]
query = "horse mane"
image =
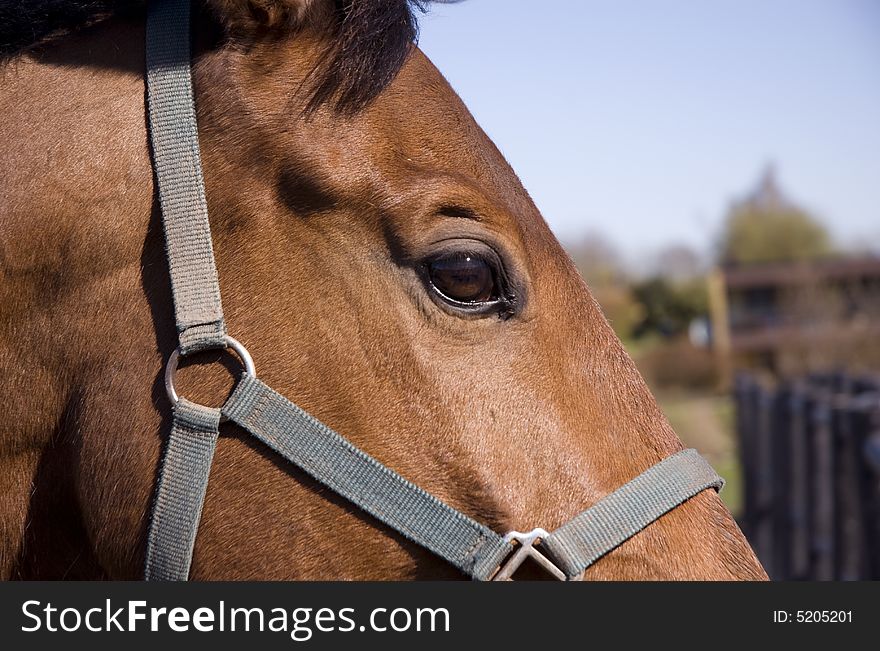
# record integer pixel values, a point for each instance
(369, 39)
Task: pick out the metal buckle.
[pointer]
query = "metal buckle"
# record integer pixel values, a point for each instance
(174, 360)
(525, 544)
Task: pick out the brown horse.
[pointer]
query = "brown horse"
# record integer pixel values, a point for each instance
(378, 257)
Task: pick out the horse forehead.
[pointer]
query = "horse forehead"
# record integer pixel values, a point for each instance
(422, 114)
(424, 143)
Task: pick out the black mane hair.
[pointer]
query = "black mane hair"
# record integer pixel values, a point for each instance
(24, 23)
(370, 43)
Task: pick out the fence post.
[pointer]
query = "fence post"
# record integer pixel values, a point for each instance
(823, 490)
(744, 414)
(763, 477)
(781, 483)
(848, 430)
(870, 449)
(800, 473)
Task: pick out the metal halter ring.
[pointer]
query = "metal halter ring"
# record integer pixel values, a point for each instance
(171, 367)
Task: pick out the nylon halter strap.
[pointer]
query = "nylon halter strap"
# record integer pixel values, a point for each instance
(297, 436)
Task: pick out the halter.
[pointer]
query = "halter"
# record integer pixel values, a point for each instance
(296, 435)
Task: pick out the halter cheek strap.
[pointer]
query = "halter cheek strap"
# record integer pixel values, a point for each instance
(297, 436)
(178, 167)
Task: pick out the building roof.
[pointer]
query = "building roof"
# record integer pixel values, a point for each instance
(795, 273)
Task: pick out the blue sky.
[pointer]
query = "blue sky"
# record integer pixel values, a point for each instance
(643, 120)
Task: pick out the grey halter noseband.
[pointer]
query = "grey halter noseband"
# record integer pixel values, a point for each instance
(470, 546)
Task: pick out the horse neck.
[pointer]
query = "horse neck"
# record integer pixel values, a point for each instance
(76, 201)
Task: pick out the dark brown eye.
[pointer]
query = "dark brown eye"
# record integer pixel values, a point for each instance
(463, 277)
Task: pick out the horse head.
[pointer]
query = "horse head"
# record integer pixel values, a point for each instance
(380, 260)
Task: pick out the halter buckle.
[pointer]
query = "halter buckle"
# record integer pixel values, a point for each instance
(526, 547)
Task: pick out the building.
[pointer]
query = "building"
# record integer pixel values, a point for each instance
(796, 316)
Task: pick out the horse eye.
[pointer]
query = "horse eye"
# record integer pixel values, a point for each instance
(464, 277)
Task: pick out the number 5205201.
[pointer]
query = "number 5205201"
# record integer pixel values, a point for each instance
(823, 616)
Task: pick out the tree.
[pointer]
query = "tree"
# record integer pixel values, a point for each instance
(668, 306)
(767, 227)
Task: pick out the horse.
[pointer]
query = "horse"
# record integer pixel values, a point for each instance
(380, 259)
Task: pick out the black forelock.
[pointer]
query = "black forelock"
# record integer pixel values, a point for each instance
(370, 42)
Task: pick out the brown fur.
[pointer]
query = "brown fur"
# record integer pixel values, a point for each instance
(318, 224)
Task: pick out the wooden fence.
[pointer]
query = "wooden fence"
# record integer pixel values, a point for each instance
(810, 452)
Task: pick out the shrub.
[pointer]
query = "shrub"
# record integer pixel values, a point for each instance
(678, 364)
